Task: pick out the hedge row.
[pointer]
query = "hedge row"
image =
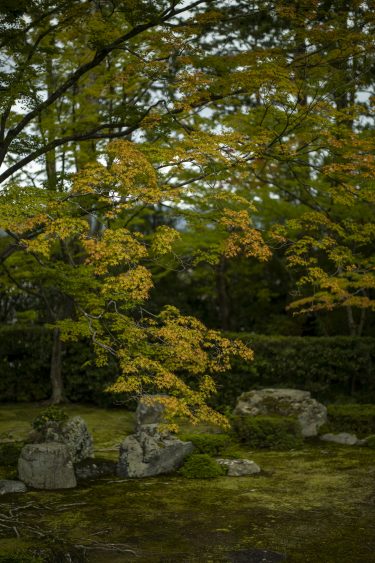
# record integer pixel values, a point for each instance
(25, 364)
(332, 368)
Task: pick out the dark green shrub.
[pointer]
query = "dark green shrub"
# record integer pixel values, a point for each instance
(276, 432)
(9, 453)
(370, 442)
(201, 466)
(328, 367)
(357, 419)
(50, 414)
(25, 354)
(211, 444)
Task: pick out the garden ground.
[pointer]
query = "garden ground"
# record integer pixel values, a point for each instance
(316, 504)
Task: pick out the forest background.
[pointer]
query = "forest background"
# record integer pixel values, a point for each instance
(211, 157)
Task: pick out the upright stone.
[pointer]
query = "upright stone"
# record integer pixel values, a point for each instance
(78, 439)
(46, 466)
(149, 411)
(310, 414)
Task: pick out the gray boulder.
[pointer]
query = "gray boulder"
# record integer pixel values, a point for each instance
(149, 411)
(342, 438)
(239, 467)
(76, 436)
(310, 414)
(46, 466)
(148, 453)
(8, 486)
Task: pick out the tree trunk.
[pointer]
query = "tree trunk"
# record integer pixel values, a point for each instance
(57, 383)
(222, 295)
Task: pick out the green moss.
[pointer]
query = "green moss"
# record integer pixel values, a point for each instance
(314, 504)
(108, 426)
(211, 444)
(21, 557)
(277, 432)
(201, 466)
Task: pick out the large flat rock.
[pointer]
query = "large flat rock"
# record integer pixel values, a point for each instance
(46, 466)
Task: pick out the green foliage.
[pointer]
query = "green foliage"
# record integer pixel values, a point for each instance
(201, 466)
(268, 432)
(331, 368)
(357, 419)
(25, 354)
(50, 414)
(9, 453)
(24, 363)
(211, 444)
(370, 442)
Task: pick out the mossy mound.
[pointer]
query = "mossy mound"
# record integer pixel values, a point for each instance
(201, 466)
(268, 432)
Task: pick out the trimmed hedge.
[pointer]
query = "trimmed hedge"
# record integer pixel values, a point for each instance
(25, 365)
(268, 432)
(332, 368)
(355, 419)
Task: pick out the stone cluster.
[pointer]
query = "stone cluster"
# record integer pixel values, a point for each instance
(151, 451)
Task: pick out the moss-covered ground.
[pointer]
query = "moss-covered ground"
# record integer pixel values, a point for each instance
(316, 504)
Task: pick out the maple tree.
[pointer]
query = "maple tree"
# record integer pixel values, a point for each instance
(104, 277)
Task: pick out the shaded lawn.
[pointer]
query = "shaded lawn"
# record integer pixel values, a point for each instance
(315, 505)
(108, 426)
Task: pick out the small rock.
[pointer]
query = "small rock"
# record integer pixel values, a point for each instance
(239, 467)
(8, 486)
(341, 438)
(46, 466)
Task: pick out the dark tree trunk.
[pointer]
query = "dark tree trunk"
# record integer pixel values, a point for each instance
(222, 296)
(57, 383)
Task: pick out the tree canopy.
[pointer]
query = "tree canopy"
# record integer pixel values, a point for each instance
(153, 145)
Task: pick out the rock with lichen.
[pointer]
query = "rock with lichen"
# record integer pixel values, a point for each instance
(148, 453)
(73, 433)
(310, 414)
(46, 466)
